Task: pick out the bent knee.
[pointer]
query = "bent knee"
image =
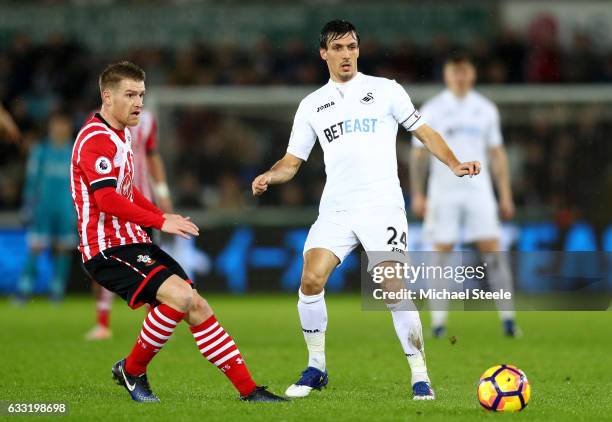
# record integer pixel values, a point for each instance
(313, 283)
(199, 304)
(181, 297)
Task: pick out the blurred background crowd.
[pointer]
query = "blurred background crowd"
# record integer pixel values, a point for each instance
(558, 164)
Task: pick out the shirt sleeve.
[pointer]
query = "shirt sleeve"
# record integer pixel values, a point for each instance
(426, 113)
(494, 137)
(403, 110)
(112, 203)
(151, 142)
(96, 161)
(303, 136)
(143, 202)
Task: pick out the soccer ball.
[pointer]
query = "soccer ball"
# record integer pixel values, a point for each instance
(504, 388)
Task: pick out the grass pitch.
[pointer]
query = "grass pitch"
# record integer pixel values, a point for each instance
(567, 357)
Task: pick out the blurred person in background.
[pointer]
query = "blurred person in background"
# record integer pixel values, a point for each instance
(470, 123)
(8, 128)
(47, 205)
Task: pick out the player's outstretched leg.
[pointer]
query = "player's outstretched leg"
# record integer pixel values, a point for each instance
(218, 347)
(439, 307)
(318, 266)
(313, 318)
(27, 278)
(408, 328)
(157, 328)
(499, 276)
(61, 268)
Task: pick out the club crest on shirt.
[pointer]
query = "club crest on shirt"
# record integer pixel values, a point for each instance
(368, 99)
(103, 165)
(145, 259)
(126, 185)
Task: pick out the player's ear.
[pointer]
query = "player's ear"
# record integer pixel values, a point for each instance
(106, 97)
(323, 53)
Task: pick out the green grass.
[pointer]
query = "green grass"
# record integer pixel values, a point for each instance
(567, 357)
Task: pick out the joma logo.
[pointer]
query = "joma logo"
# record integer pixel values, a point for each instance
(324, 106)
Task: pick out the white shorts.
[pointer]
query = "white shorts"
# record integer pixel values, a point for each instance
(467, 218)
(380, 229)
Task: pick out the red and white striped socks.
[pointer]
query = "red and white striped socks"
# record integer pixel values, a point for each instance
(219, 348)
(157, 328)
(214, 343)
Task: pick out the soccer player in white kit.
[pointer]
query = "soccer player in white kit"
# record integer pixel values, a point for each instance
(355, 117)
(470, 124)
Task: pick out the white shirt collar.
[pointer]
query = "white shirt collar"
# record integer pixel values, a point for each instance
(343, 87)
(453, 99)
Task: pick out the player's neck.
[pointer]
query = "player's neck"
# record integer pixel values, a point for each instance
(108, 117)
(460, 95)
(338, 80)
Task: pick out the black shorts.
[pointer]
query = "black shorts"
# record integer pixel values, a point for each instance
(134, 272)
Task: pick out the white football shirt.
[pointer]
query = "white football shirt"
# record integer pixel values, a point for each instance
(356, 124)
(470, 126)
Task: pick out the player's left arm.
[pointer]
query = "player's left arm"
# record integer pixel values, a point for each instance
(410, 119)
(500, 169)
(501, 176)
(157, 171)
(434, 142)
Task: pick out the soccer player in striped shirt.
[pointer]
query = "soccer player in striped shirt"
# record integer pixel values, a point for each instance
(118, 253)
(150, 179)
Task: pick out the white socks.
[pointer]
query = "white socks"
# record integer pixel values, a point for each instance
(499, 277)
(438, 318)
(313, 318)
(410, 334)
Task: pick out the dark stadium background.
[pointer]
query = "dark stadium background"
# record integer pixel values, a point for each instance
(547, 64)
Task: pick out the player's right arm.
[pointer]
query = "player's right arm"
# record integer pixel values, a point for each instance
(419, 161)
(281, 172)
(301, 142)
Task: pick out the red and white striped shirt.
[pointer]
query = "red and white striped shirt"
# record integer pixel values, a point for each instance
(102, 157)
(144, 142)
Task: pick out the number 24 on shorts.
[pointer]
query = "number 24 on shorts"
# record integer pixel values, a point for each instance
(392, 240)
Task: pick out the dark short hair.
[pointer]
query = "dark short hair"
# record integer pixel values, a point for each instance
(335, 29)
(116, 72)
(459, 56)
